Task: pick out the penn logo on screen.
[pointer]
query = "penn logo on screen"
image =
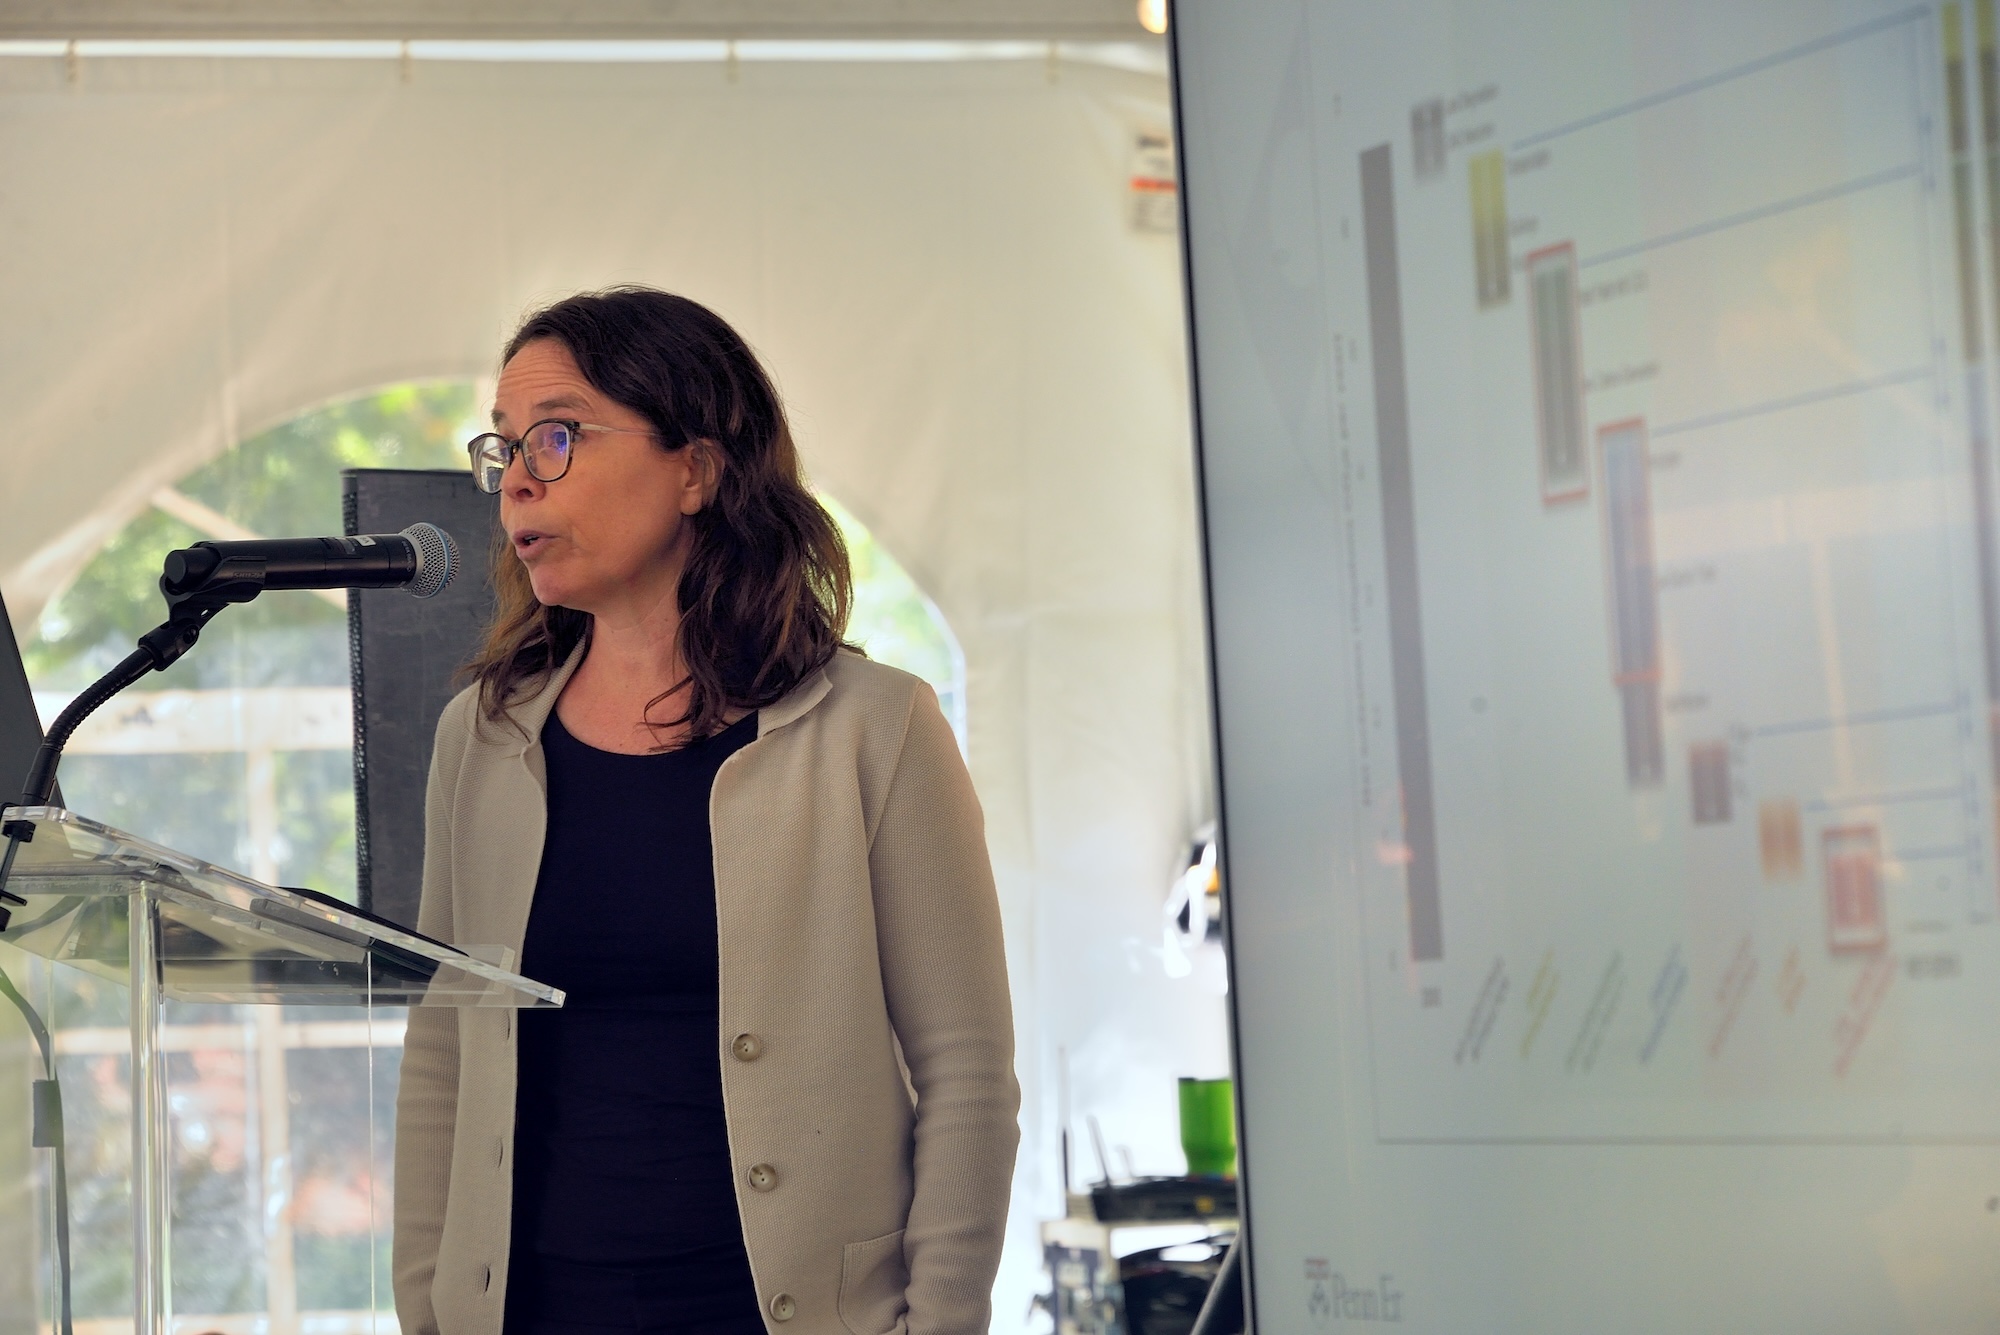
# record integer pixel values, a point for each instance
(1330, 1298)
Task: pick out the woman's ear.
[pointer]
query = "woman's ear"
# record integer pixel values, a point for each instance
(706, 463)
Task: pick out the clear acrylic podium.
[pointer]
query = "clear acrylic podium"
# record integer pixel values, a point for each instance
(171, 927)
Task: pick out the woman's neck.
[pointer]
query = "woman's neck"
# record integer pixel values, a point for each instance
(627, 666)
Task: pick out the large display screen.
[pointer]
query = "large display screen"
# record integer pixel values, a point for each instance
(1597, 408)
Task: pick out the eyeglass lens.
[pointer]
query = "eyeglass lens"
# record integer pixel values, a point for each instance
(545, 449)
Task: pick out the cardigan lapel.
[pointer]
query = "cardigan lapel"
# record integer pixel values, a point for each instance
(795, 704)
(531, 712)
(510, 860)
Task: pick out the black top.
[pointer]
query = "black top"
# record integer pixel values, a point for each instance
(621, 1151)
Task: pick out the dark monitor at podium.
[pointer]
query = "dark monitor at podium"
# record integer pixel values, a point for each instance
(20, 726)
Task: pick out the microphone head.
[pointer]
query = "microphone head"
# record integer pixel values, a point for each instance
(437, 559)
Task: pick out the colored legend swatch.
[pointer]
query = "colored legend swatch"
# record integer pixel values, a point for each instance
(1427, 138)
(1490, 261)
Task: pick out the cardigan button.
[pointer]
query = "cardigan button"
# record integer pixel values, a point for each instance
(747, 1047)
(783, 1308)
(762, 1177)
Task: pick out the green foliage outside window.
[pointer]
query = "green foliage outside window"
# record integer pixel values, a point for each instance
(284, 482)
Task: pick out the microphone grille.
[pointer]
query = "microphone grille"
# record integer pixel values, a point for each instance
(437, 559)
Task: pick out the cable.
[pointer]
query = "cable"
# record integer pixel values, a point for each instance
(16, 836)
(48, 1123)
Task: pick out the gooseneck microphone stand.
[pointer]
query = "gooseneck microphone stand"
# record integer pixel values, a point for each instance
(193, 599)
(191, 603)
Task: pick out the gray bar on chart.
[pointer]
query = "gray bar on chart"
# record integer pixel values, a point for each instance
(1635, 615)
(1552, 313)
(1645, 746)
(1986, 547)
(1709, 782)
(1399, 549)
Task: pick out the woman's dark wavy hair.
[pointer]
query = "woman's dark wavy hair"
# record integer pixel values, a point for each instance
(765, 595)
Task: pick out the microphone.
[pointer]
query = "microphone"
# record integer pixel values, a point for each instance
(422, 559)
(200, 581)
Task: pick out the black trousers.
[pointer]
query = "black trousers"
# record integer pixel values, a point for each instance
(709, 1295)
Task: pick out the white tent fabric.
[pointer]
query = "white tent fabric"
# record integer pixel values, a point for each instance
(1072, 20)
(984, 362)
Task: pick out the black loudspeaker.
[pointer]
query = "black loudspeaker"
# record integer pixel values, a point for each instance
(20, 726)
(405, 654)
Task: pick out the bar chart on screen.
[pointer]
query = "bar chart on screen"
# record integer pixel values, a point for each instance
(1683, 645)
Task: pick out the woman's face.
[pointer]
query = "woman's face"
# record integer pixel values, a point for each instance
(610, 537)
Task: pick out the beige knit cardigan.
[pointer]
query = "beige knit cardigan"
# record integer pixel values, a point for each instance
(860, 938)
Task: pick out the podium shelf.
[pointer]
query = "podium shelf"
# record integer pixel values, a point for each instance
(222, 937)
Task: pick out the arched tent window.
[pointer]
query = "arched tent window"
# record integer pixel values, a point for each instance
(895, 623)
(241, 754)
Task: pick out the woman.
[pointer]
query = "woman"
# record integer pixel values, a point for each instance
(780, 1092)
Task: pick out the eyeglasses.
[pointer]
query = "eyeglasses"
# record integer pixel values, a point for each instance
(544, 448)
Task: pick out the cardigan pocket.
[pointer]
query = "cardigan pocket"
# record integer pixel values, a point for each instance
(873, 1276)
